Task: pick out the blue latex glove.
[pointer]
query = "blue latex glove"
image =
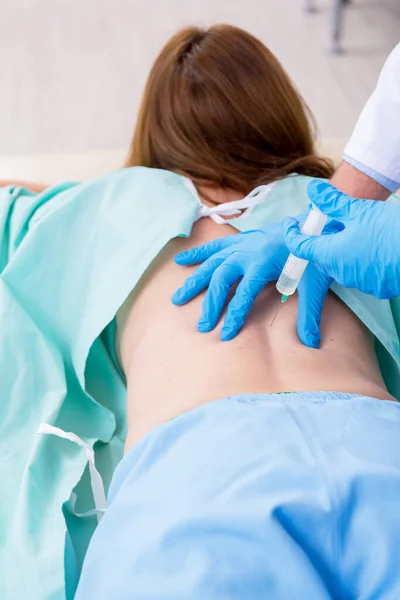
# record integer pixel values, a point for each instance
(365, 254)
(257, 258)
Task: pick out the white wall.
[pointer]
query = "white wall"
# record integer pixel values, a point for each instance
(72, 71)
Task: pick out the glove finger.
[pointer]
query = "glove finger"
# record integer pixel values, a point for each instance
(240, 305)
(199, 280)
(331, 201)
(333, 226)
(308, 247)
(217, 294)
(203, 252)
(312, 292)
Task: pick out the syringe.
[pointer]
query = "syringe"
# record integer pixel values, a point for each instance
(294, 267)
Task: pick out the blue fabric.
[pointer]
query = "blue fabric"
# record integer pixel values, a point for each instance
(384, 181)
(263, 496)
(69, 257)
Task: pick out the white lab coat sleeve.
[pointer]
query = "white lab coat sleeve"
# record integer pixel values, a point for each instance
(375, 143)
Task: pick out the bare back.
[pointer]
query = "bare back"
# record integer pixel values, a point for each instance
(171, 368)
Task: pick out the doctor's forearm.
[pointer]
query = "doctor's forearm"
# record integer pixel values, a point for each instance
(356, 184)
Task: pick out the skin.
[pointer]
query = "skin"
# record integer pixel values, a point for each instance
(171, 368)
(29, 185)
(352, 182)
(191, 369)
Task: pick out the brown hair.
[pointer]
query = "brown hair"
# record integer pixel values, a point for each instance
(219, 108)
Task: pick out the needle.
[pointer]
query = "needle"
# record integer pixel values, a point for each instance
(283, 299)
(276, 314)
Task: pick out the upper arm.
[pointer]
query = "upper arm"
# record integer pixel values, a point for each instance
(375, 141)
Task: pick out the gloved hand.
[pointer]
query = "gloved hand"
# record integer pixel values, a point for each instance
(258, 258)
(365, 254)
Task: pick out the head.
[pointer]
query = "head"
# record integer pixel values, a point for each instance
(219, 108)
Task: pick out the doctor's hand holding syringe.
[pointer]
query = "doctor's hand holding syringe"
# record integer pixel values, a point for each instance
(358, 248)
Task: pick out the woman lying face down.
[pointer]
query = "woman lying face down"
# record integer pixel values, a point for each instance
(219, 108)
(232, 488)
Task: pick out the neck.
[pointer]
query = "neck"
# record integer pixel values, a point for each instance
(212, 195)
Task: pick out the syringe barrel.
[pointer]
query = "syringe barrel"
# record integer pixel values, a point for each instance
(291, 274)
(294, 267)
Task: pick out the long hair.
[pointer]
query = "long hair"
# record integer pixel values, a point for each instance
(219, 108)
